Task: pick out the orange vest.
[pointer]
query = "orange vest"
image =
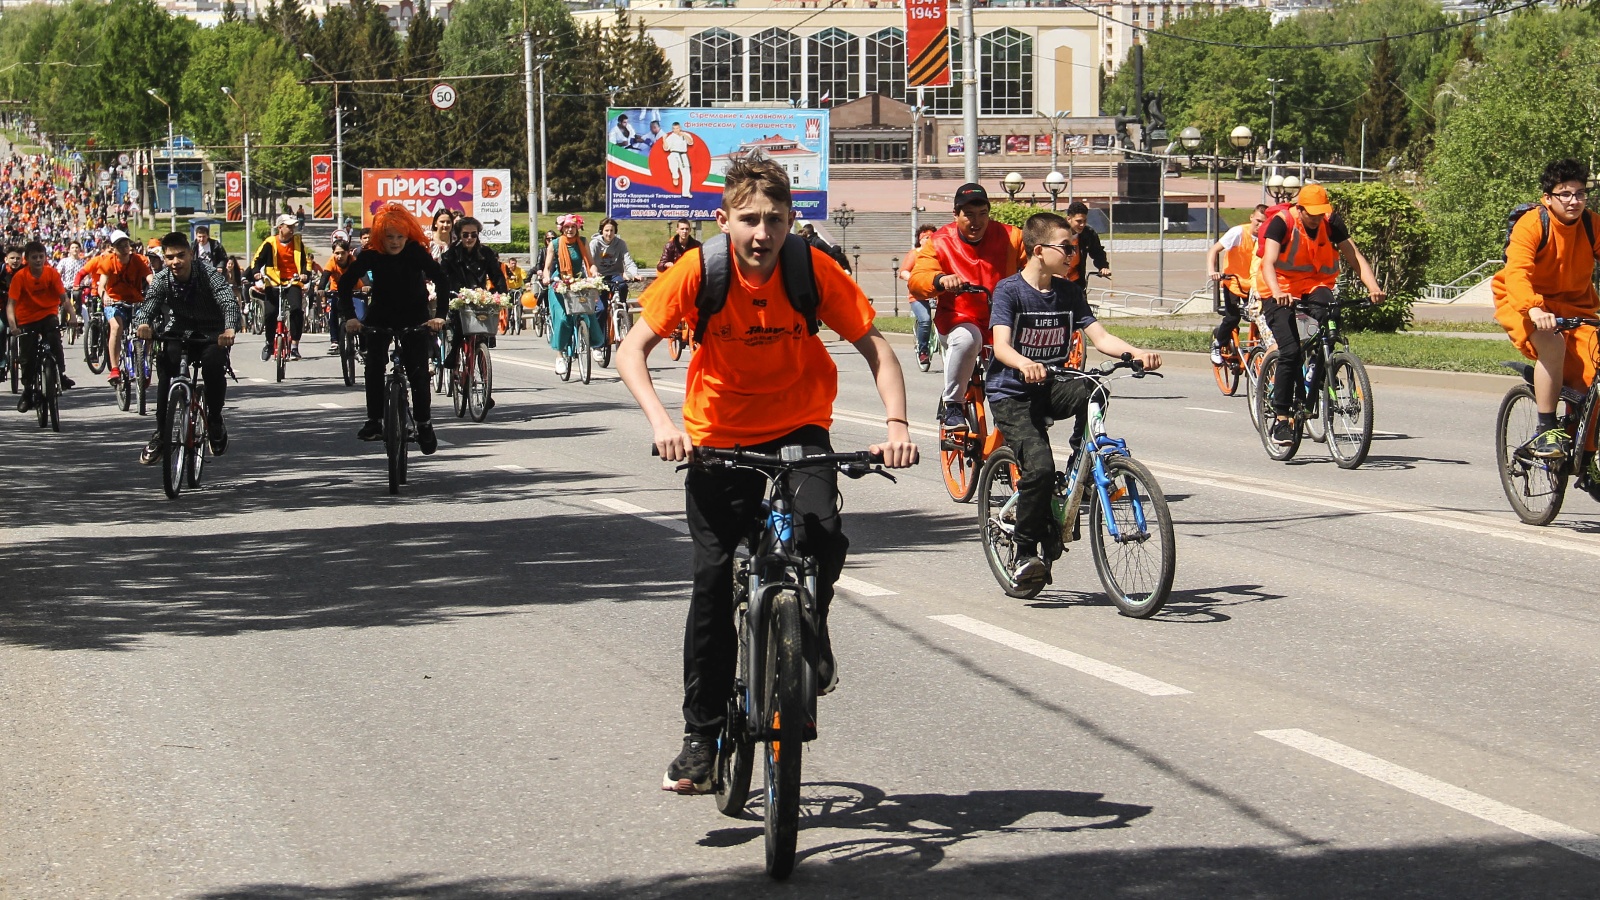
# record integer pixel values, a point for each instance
(1306, 263)
(1237, 261)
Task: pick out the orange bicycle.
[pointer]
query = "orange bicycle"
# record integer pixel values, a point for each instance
(680, 339)
(963, 449)
(1238, 355)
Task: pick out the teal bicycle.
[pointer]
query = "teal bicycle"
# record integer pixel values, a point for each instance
(1130, 526)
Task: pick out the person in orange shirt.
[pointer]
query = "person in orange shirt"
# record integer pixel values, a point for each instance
(33, 306)
(337, 262)
(1300, 265)
(762, 380)
(124, 274)
(919, 308)
(1229, 262)
(1549, 272)
(971, 250)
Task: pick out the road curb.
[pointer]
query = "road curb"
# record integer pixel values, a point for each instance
(1389, 376)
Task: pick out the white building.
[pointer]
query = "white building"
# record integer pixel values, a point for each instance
(804, 166)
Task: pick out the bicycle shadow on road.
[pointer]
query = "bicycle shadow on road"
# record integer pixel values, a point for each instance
(1193, 606)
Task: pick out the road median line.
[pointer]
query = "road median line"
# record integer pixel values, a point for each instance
(1104, 671)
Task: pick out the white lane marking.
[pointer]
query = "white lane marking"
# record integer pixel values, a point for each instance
(259, 380)
(502, 360)
(515, 470)
(1443, 793)
(649, 515)
(445, 444)
(331, 405)
(1117, 675)
(1474, 523)
(862, 588)
(1225, 412)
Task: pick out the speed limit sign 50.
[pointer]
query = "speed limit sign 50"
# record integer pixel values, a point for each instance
(443, 96)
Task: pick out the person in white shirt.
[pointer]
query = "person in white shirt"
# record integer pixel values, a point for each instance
(678, 143)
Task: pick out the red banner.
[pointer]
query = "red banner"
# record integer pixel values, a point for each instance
(234, 182)
(321, 187)
(927, 44)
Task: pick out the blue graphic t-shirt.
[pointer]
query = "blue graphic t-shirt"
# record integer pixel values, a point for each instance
(1042, 324)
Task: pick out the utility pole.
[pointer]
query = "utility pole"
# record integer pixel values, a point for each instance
(172, 187)
(916, 160)
(338, 141)
(969, 91)
(1272, 131)
(533, 179)
(249, 234)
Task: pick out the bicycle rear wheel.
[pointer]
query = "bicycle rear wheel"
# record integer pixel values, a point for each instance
(1349, 403)
(1266, 416)
(394, 431)
(735, 750)
(14, 363)
(480, 384)
(94, 345)
(996, 485)
(199, 431)
(1535, 487)
(280, 355)
(347, 358)
(124, 387)
(174, 455)
(785, 708)
(580, 349)
(1137, 563)
(1227, 374)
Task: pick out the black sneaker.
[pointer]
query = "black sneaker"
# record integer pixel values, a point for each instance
(953, 416)
(151, 451)
(218, 437)
(827, 672)
(690, 773)
(67, 384)
(372, 431)
(333, 348)
(25, 402)
(266, 353)
(1282, 431)
(294, 352)
(426, 442)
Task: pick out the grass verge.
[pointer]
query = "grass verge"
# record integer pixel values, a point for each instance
(1407, 351)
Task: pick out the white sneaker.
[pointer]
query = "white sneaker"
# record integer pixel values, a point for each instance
(1216, 353)
(563, 365)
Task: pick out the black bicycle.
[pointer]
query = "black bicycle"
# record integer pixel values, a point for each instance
(95, 352)
(14, 360)
(46, 385)
(398, 427)
(1536, 486)
(774, 699)
(349, 347)
(185, 444)
(1332, 396)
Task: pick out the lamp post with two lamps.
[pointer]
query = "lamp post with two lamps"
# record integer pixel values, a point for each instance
(172, 182)
(1283, 188)
(249, 236)
(844, 217)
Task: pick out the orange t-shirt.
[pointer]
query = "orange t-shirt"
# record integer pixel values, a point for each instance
(36, 298)
(125, 280)
(759, 375)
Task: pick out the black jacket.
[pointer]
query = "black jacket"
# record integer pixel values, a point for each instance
(468, 269)
(204, 303)
(215, 255)
(1090, 248)
(397, 295)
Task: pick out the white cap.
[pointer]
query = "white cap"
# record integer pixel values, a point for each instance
(119, 235)
(287, 219)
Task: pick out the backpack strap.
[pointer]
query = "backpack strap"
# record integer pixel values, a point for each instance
(716, 275)
(800, 279)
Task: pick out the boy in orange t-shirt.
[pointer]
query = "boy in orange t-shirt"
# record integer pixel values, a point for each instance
(1549, 272)
(760, 381)
(33, 304)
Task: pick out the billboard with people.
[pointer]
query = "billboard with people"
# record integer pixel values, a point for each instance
(669, 163)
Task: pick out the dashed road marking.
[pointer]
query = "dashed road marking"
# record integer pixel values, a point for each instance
(649, 515)
(1442, 793)
(1224, 412)
(259, 380)
(331, 405)
(513, 469)
(862, 588)
(1117, 675)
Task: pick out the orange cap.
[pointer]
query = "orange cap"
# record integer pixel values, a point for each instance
(1313, 198)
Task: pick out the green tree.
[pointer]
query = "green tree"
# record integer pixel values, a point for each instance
(292, 118)
(1389, 228)
(1382, 113)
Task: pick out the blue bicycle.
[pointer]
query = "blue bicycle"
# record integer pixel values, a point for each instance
(1130, 527)
(134, 378)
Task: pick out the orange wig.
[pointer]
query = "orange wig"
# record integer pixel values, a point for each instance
(394, 216)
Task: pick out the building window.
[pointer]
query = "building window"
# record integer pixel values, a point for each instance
(946, 101)
(886, 64)
(835, 66)
(1005, 84)
(775, 66)
(715, 68)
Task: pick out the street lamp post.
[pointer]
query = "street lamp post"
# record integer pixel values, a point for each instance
(1241, 137)
(248, 234)
(1014, 185)
(844, 217)
(1190, 137)
(1053, 183)
(338, 142)
(172, 187)
(1272, 131)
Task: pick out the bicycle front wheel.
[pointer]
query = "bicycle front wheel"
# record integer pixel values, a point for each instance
(1535, 487)
(1349, 409)
(347, 359)
(52, 393)
(141, 370)
(785, 709)
(394, 432)
(580, 350)
(1252, 377)
(198, 445)
(997, 520)
(174, 455)
(94, 345)
(480, 384)
(1135, 550)
(1266, 416)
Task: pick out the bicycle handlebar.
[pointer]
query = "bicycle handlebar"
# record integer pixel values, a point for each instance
(380, 331)
(1104, 369)
(1567, 324)
(853, 464)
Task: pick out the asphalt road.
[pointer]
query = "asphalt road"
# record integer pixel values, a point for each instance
(292, 685)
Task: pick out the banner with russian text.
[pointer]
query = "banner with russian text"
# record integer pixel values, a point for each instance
(234, 185)
(482, 193)
(321, 187)
(927, 44)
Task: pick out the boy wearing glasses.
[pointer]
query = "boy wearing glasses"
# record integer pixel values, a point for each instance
(1034, 315)
(1549, 272)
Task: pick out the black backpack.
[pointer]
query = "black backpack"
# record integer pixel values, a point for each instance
(716, 273)
(1544, 226)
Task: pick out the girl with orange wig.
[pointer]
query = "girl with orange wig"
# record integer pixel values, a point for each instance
(397, 267)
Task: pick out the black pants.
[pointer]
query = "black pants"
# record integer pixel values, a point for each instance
(1231, 313)
(50, 327)
(417, 348)
(724, 507)
(213, 376)
(295, 297)
(1022, 422)
(1287, 333)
